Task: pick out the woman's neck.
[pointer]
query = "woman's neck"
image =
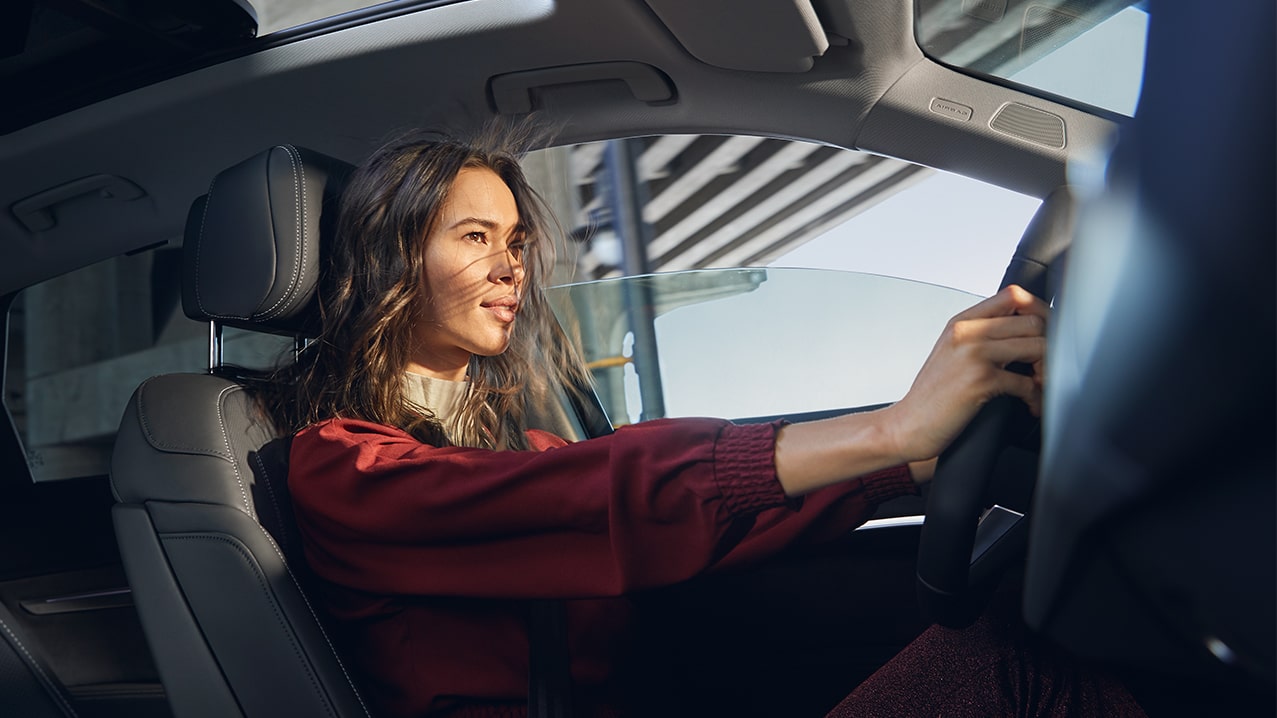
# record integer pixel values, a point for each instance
(457, 373)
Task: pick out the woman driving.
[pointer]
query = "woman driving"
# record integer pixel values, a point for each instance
(433, 512)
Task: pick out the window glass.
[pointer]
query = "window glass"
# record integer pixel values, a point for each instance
(79, 344)
(1091, 51)
(745, 343)
(697, 201)
(768, 339)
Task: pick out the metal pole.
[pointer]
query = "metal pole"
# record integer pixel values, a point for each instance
(626, 197)
(214, 346)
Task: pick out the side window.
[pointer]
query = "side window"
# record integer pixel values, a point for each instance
(752, 343)
(772, 339)
(79, 344)
(707, 201)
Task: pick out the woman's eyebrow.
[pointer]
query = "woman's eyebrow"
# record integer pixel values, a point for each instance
(482, 222)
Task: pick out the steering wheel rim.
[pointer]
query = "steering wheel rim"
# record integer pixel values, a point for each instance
(948, 593)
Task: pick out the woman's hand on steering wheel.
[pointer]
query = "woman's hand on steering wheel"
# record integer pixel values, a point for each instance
(968, 367)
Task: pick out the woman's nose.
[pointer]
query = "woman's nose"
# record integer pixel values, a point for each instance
(508, 269)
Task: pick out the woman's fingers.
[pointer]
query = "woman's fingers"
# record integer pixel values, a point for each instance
(1010, 300)
(1029, 350)
(967, 368)
(1016, 325)
(1000, 340)
(1025, 388)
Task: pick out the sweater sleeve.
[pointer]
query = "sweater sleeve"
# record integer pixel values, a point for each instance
(649, 505)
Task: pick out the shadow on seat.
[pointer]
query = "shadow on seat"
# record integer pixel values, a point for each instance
(204, 520)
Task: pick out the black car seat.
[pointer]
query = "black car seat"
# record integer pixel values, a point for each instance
(1152, 545)
(203, 516)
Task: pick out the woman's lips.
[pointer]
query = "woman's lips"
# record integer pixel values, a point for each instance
(503, 309)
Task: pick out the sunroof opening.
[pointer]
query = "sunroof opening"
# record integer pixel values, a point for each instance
(1088, 51)
(58, 55)
(276, 15)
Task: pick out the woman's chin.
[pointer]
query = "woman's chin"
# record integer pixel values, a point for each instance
(493, 349)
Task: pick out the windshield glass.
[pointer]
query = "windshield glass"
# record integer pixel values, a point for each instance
(1090, 51)
(745, 343)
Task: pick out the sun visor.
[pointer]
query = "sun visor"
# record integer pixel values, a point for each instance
(752, 35)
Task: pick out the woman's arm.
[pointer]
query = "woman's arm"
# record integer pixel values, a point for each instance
(965, 370)
(652, 504)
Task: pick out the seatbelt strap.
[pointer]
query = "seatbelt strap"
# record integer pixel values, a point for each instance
(549, 677)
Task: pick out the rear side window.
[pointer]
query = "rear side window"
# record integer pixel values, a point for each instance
(79, 344)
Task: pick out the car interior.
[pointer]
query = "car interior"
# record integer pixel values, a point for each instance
(151, 568)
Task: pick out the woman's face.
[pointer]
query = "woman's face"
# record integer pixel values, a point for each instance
(473, 275)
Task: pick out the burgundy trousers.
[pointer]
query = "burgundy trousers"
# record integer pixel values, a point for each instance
(994, 668)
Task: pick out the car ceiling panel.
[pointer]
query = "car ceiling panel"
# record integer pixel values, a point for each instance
(344, 92)
(908, 123)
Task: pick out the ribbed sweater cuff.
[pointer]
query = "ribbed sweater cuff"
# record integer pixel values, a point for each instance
(745, 468)
(887, 484)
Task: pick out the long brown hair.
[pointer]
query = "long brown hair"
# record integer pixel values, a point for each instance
(372, 296)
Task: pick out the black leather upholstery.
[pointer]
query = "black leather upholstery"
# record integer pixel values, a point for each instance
(204, 520)
(27, 685)
(253, 243)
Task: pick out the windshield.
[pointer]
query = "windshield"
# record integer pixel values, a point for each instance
(745, 343)
(1089, 51)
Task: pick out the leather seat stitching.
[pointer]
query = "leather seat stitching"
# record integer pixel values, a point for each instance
(270, 491)
(299, 252)
(49, 685)
(154, 440)
(226, 439)
(262, 583)
(315, 616)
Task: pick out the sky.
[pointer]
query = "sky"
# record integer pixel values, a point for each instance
(945, 229)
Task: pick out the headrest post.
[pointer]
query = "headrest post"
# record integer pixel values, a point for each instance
(299, 345)
(214, 346)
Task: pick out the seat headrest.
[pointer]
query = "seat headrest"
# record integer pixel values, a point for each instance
(251, 256)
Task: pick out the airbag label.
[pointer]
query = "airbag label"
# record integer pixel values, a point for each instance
(951, 109)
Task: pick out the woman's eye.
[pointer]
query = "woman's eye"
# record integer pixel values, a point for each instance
(477, 237)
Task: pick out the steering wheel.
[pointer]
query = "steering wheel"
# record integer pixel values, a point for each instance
(961, 553)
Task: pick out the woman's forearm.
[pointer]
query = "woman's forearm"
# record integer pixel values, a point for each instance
(816, 454)
(966, 368)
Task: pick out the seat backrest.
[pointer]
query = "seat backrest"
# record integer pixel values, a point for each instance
(203, 516)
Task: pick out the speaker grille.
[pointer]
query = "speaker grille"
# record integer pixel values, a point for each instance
(1030, 124)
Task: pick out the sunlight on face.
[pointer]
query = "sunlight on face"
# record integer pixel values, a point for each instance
(472, 278)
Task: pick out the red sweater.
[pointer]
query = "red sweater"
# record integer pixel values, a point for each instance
(425, 552)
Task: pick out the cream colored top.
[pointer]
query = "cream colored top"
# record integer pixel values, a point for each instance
(440, 396)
